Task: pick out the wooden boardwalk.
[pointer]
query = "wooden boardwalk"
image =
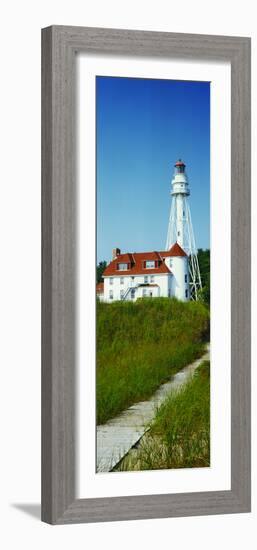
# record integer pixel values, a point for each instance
(117, 436)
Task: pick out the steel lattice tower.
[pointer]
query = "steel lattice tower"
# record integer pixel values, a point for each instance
(180, 228)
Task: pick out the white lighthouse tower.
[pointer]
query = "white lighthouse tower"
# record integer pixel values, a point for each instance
(180, 228)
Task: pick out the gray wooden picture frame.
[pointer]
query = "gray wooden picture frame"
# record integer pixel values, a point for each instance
(59, 47)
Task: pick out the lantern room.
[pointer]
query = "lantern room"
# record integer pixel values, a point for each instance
(180, 167)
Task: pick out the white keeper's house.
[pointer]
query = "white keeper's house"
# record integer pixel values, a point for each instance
(146, 274)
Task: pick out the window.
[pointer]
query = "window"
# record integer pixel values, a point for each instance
(133, 294)
(185, 278)
(111, 294)
(144, 292)
(152, 279)
(122, 267)
(121, 294)
(186, 293)
(150, 264)
(178, 233)
(132, 279)
(111, 281)
(122, 280)
(146, 279)
(171, 262)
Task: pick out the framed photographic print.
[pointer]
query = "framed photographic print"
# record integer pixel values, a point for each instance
(145, 274)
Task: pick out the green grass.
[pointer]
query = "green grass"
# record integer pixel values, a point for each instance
(140, 345)
(179, 437)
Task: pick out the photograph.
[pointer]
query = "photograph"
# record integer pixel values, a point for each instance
(152, 274)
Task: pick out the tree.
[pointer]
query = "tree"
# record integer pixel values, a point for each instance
(99, 271)
(204, 266)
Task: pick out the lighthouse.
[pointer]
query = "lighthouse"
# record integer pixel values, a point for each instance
(180, 228)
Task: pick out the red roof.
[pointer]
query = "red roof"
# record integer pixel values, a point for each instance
(100, 288)
(137, 261)
(174, 251)
(124, 258)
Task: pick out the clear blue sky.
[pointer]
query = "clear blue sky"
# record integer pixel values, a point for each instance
(143, 127)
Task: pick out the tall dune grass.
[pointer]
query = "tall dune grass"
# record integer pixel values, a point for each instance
(140, 345)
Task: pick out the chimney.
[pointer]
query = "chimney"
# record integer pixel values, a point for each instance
(115, 253)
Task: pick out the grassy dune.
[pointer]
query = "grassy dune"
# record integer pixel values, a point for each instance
(140, 345)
